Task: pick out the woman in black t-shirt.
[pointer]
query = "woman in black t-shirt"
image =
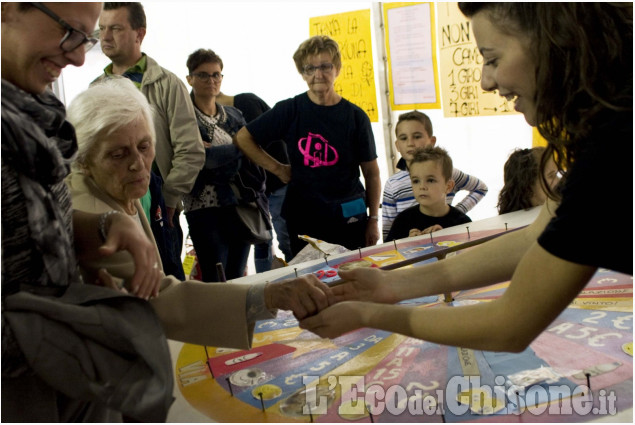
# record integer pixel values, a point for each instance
(328, 140)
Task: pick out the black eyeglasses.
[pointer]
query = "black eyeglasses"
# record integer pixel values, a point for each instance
(310, 69)
(73, 37)
(204, 76)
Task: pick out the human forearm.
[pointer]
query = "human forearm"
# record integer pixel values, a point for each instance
(478, 266)
(486, 264)
(464, 182)
(101, 235)
(373, 192)
(467, 327)
(475, 326)
(541, 288)
(179, 174)
(372, 182)
(246, 143)
(183, 306)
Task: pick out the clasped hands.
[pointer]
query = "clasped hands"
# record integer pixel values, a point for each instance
(323, 310)
(331, 311)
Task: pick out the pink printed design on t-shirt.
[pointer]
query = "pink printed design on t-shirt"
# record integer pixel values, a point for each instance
(316, 151)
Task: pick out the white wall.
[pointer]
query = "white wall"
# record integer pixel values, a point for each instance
(256, 41)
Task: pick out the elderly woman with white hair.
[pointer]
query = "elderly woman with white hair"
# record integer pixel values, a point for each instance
(115, 136)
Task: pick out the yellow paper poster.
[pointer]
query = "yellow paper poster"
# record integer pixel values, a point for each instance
(461, 66)
(356, 81)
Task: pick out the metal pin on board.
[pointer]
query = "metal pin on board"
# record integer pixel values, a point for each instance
(468, 231)
(326, 260)
(229, 384)
(221, 272)
(209, 366)
(262, 402)
(295, 270)
(431, 239)
(588, 381)
(370, 415)
(360, 253)
(505, 226)
(395, 242)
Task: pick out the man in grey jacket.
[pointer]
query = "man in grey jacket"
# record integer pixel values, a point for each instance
(180, 153)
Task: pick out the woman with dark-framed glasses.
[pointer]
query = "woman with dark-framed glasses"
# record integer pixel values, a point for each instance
(217, 232)
(328, 140)
(42, 237)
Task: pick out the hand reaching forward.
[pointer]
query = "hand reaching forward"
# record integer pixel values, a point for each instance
(336, 320)
(305, 295)
(365, 284)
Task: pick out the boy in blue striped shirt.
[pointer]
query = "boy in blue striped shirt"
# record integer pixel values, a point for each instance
(414, 130)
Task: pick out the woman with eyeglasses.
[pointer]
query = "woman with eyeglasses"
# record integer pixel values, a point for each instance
(328, 140)
(42, 237)
(216, 230)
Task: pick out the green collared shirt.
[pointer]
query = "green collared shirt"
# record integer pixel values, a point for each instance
(134, 73)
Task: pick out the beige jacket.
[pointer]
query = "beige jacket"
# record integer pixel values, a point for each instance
(191, 311)
(180, 153)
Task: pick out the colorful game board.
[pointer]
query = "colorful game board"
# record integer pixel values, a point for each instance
(291, 375)
(401, 253)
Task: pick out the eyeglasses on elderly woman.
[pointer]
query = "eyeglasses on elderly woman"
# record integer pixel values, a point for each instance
(310, 69)
(73, 37)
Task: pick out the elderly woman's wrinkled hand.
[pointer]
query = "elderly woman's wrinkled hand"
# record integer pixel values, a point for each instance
(125, 234)
(304, 296)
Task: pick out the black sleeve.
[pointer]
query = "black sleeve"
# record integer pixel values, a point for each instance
(398, 229)
(273, 124)
(250, 105)
(366, 139)
(596, 211)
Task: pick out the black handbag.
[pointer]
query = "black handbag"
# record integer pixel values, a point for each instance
(257, 229)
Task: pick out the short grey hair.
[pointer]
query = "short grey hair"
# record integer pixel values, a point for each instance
(104, 108)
